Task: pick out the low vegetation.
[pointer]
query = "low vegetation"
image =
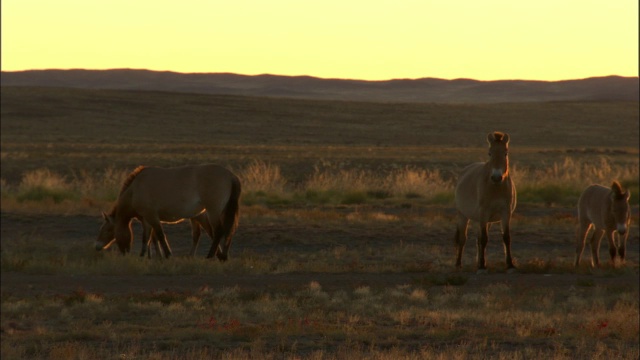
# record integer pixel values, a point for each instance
(435, 313)
(419, 320)
(344, 249)
(263, 183)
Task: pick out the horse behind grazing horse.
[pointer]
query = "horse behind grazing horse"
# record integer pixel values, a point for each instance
(485, 193)
(607, 210)
(197, 223)
(154, 195)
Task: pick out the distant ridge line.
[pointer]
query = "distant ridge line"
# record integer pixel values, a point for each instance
(422, 90)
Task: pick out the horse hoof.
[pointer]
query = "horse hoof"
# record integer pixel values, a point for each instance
(482, 272)
(221, 256)
(512, 271)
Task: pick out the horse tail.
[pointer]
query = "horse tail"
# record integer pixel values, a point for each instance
(232, 210)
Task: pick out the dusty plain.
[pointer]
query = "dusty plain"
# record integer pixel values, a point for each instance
(375, 247)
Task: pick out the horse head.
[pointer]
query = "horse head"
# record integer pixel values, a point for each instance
(498, 156)
(106, 235)
(620, 207)
(114, 231)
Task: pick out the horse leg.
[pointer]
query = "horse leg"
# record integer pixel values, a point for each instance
(124, 236)
(581, 237)
(613, 249)
(145, 242)
(622, 242)
(460, 238)
(595, 247)
(215, 246)
(216, 233)
(160, 236)
(483, 239)
(219, 251)
(147, 232)
(506, 240)
(195, 236)
(156, 245)
(205, 221)
(223, 251)
(148, 235)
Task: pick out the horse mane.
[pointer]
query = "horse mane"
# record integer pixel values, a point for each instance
(617, 189)
(130, 178)
(125, 185)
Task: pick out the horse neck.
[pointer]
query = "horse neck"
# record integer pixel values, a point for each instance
(610, 204)
(122, 211)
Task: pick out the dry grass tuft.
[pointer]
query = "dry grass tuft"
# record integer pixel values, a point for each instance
(264, 184)
(260, 176)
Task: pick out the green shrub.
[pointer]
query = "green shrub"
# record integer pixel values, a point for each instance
(41, 194)
(354, 198)
(550, 194)
(42, 185)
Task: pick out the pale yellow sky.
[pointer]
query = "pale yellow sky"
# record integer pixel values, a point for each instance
(354, 39)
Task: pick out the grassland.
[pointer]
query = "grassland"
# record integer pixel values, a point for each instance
(344, 247)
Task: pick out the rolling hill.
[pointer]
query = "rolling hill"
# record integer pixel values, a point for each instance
(425, 90)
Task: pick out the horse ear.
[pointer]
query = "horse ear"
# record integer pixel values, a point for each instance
(499, 137)
(616, 188)
(627, 195)
(107, 218)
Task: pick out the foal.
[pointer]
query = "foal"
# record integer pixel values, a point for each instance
(607, 210)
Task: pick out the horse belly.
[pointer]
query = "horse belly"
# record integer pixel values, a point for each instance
(187, 208)
(592, 207)
(169, 208)
(494, 212)
(466, 192)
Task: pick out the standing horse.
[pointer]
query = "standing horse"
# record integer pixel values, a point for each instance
(154, 195)
(607, 210)
(486, 193)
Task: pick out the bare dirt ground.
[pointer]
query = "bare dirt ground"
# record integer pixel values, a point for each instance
(304, 239)
(71, 130)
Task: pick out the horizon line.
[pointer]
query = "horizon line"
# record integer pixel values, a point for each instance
(310, 76)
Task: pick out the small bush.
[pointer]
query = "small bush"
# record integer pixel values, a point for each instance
(560, 183)
(104, 186)
(550, 194)
(354, 198)
(262, 176)
(42, 184)
(321, 197)
(264, 198)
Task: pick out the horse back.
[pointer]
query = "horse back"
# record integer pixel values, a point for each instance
(180, 192)
(594, 206)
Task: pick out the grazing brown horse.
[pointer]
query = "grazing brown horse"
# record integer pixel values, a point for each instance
(486, 193)
(155, 195)
(607, 210)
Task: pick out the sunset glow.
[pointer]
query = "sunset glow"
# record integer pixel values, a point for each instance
(356, 39)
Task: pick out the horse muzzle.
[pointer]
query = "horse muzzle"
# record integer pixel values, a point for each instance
(101, 246)
(622, 229)
(497, 176)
